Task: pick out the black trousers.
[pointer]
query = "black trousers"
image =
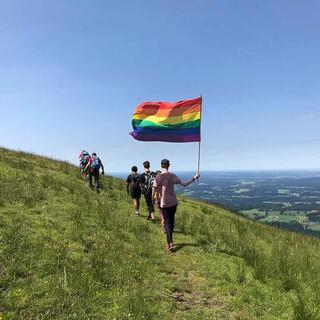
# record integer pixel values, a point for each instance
(148, 198)
(94, 174)
(168, 216)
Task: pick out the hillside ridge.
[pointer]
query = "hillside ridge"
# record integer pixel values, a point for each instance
(68, 253)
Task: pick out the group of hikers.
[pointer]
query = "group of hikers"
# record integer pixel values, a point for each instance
(90, 166)
(157, 188)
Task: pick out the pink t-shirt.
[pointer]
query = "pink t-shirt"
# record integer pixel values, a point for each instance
(164, 184)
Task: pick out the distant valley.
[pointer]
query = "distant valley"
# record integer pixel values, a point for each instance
(288, 199)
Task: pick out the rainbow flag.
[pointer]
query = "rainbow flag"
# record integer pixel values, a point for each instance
(169, 122)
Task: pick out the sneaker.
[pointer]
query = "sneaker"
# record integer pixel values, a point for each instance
(170, 246)
(137, 213)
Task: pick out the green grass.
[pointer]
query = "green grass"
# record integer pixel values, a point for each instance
(254, 213)
(277, 217)
(68, 253)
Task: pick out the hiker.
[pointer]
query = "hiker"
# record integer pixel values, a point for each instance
(133, 188)
(83, 158)
(164, 184)
(147, 178)
(93, 166)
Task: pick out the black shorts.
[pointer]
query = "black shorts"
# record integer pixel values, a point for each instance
(135, 193)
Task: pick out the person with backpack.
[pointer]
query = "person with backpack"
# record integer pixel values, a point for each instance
(164, 186)
(83, 158)
(147, 178)
(134, 189)
(94, 164)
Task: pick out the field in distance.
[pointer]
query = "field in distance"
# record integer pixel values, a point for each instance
(288, 199)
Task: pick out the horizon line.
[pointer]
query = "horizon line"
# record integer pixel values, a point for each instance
(240, 170)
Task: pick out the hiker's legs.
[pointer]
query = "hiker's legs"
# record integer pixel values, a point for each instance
(161, 215)
(148, 198)
(168, 216)
(83, 175)
(90, 180)
(167, 224)
(135, 195)
(136, 204)
(172, 216)
(162, 221)
(96, 175)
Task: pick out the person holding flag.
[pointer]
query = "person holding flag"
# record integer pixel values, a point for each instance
(164, 186)
(178, 122)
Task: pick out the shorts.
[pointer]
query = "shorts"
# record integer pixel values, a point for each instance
(135, 194)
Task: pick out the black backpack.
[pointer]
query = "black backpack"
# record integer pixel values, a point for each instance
(135, 182)
(148, 182)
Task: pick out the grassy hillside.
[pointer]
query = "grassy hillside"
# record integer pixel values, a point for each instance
(68, 253)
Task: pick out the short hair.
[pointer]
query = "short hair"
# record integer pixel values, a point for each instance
(165, 163)
(94, 154)
(146, 164)
(134, 169)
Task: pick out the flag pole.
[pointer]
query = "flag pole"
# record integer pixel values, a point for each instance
(199, 154)
(199, 146)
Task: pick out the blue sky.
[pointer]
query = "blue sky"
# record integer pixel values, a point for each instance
(72, 72)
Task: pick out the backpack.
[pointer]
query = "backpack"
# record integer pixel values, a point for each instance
(84, 158)
(95, 164)
(135, 182)
(148, 182)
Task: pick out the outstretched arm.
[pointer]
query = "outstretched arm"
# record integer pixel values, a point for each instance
(188, 182)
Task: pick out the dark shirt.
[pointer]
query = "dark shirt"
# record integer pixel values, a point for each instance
(134, 180)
